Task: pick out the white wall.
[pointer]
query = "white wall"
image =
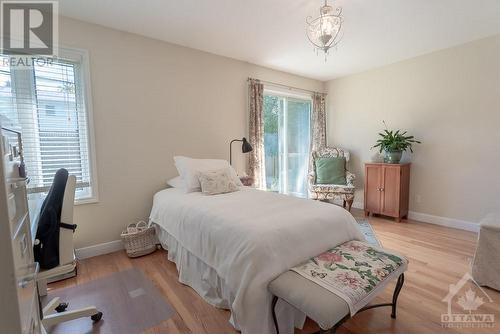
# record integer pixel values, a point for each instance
(153, 100)
(451, 101)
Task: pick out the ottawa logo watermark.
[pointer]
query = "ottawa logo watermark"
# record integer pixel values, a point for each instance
(467, 297)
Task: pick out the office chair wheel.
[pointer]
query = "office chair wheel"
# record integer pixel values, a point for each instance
(61, 307)
(96, 317)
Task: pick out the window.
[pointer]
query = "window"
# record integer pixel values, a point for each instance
(287, 133)
(49, 102)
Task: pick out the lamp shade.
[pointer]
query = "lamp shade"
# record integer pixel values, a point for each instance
(246, 147)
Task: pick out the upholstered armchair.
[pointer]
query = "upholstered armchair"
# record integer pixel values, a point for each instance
(325, 192)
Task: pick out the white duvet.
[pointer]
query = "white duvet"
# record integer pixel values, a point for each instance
(250, 237)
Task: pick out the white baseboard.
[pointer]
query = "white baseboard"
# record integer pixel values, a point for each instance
(444, 221)
(436, 220)
(99, 249)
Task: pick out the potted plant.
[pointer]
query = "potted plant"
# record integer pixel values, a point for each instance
(393, 144)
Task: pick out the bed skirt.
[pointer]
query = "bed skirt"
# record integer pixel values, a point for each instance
(211, 287)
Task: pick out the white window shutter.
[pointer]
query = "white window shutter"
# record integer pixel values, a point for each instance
(49, 102)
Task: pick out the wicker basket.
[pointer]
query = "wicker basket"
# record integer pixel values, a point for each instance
(139, 239)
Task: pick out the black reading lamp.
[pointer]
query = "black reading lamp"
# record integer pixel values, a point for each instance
(245, 148)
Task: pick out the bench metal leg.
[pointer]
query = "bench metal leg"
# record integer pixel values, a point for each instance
(275, 319)
(397, 290)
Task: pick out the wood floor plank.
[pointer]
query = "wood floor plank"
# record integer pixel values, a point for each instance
(439, 256)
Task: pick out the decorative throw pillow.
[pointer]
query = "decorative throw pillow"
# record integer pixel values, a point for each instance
(189, 168)
(218, 181)
(330, 170)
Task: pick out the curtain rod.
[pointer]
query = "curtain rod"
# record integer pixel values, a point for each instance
(285, 86)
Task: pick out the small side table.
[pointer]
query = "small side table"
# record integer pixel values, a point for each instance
(486, 263)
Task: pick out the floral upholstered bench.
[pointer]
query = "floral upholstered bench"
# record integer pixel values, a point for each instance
(333, 286)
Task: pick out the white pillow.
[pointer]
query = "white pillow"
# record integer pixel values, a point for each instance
(189, 169)
(176, 182)
(217, 181)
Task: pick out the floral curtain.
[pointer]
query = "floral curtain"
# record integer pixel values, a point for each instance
(318, 122)
(318, 126)
(256, 164)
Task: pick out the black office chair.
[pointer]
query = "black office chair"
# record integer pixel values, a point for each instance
(46, 249)
(53, 248)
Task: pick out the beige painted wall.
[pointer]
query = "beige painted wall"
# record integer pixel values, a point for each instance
(153, 100)
(451, 101)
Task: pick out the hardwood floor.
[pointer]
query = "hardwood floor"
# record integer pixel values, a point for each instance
(439, 256)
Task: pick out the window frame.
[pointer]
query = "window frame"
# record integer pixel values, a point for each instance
(80, 59)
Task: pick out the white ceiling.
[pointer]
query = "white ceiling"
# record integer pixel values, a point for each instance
(271, 33)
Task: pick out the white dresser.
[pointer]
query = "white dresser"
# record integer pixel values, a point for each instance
(19, 306)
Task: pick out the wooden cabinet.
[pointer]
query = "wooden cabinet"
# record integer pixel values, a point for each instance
(387, 188)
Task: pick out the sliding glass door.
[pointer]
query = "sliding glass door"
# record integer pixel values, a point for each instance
(287, 133)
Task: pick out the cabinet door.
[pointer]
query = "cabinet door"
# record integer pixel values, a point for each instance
(390, 190)
(372, 188)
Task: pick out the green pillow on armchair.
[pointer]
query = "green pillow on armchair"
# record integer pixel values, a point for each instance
(329, 178)
(331, 170)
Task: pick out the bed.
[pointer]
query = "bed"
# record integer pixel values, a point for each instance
(228, 247)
